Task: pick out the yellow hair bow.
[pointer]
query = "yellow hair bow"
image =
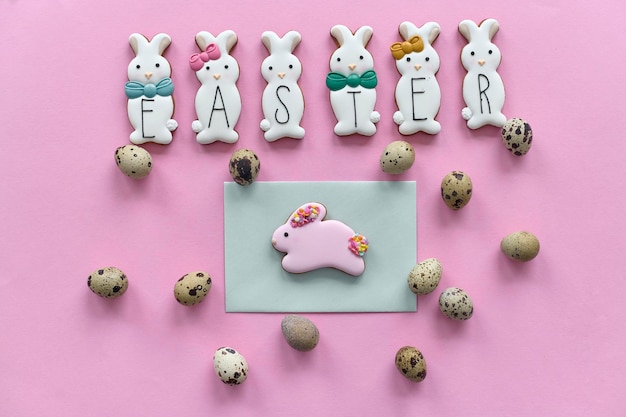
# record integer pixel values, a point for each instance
(400, 49)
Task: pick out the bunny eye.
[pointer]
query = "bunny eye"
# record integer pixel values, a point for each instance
(157, 65)
(427, 59)
(286, 234)
(408, 59)
(472, 53)
(338, 59)
(361, 57)
(138, 66)
(271, 68)
(208, 68)
(490, 52)
(290, 66)
(225, 66)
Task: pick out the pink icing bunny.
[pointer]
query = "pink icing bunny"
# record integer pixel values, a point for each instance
(310, 242)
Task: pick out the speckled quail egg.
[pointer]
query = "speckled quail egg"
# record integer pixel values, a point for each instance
(517, 136)
(133, 161)
(521, 246)
(456, 304)
(109, 282)
(300, 332)
(192, 288)
(410, 363)
(230, 366)
(425, 276)
(397, 157)
(456, 189)
(244, 166)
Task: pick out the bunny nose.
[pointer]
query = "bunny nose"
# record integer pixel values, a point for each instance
(273, 242)
(417, 67)
(148, 75)
(281, 75)
(481, 62)
(352, 67)
(217, 76)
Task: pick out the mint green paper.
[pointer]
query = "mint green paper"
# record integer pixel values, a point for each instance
(255, 281)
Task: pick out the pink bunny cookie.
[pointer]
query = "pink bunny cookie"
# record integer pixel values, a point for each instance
(282, 102)
(417, 93)
(483, 90)
(149, 91)
(352, 82)
(310, 242)
(218, 103)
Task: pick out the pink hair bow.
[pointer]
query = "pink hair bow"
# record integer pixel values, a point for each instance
(197, 61)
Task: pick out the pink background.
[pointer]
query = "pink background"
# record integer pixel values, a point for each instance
(547, 336)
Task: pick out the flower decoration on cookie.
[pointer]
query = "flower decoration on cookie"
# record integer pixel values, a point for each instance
(352, 82)
(149, 91)
(305, 214)
(418, 95)
(311, 243)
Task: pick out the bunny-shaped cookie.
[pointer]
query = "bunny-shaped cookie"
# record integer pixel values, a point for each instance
(483, 90)
(218, 103)
(310, 242)
(417, 93)
(282, 102)
(352, 82)
(149, 91)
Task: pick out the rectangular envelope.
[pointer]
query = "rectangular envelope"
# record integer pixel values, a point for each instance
(385, 212)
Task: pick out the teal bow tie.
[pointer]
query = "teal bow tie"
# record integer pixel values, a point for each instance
(135, 89)
(336, 81)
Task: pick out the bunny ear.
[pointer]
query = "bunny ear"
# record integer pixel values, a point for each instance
(292, 39)
(491, 26)
(227, 40)
(138, 42)
(468, 29)
(407, 30)
(432, 30)
(364, 34)
(203, 39)
(341, 33)
(161, 41)
(270, 40)
(307, 213)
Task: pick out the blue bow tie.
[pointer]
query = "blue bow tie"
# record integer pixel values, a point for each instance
(135, 89)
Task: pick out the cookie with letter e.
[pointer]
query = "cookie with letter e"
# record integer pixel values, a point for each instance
(149, 90)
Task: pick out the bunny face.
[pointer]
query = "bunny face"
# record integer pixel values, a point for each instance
(219, 66)
(281, 65)
(149, 66)
(480, 54)
(416, 63)
(351, 56)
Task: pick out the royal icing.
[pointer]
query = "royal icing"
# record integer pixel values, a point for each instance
(352, 82)
(483, 90)
(282, 102)
(311, 243)
(418, 95)
(218, 103)
(149, 91)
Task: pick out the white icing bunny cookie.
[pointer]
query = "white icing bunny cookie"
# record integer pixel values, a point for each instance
(149, 91)
(282, 102)
(218, 103)
(352, 82)
(483, 90)
(418, 95)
